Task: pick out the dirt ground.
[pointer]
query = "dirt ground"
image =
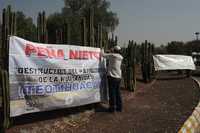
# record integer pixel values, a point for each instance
(161, 106)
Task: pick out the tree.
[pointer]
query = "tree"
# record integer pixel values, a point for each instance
(74, 10)
(175, 47)
(102, 13)
(192, 46)
(55, 22)
(25, 27)
(160, 49)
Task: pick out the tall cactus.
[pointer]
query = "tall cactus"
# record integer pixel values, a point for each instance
(67, 33)
(152, 62)
(91, 27)
(100, 37)
(147, 61)
(83, 32)
(144, 61)
(8, 28)
(4, 33)
(41, 28)
(45, 36)
(105, 40)
(59, 36)
(130, 69)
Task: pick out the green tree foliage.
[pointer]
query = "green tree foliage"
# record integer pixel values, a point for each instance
(102, 12)
(55, 22)
(175, 47)
(74, 10)
(25, 27)
(160, 50)
(192, 46)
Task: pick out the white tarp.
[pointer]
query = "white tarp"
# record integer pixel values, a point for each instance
(173, 62)
(46, 77)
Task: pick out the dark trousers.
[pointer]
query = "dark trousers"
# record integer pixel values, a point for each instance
(115, 100)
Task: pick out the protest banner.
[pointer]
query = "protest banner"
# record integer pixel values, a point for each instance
(45, 76)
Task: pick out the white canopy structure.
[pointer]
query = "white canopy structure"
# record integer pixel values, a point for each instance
(173, 62)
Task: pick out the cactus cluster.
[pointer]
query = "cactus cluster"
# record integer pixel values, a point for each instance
(147, 61)
(90, 36)
(129, 69)
(8, 28)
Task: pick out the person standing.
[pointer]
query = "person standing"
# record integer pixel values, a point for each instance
(114, 78)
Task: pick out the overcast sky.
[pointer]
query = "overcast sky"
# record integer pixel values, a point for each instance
(158, 21)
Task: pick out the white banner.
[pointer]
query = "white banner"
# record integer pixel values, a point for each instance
(45, 77)
(173, 62)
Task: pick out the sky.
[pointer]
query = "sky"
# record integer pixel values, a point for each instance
(158, 21)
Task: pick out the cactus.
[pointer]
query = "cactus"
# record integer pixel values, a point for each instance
(83, 32)
(99, 36)
(67, 33)
(38, 26)
(41, 28)
(8, 28)
(152, 62)
(105, 40)
(6, 99)
(4, 34)
(147, 61)
(91, 27)
(59, 36)
(130, 66)
(116, 41)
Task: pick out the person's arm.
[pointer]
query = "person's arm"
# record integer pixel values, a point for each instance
(105, 55)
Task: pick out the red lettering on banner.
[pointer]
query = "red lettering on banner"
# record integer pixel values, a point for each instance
(43, 52)
(59, 53)
(52, 53)
(74, 54)
(85, 55)
(30, 49)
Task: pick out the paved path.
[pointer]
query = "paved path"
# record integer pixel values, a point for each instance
(161, 107)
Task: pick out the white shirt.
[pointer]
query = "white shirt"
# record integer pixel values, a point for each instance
(114, 64)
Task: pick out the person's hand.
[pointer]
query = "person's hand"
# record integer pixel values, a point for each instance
(102, 52)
